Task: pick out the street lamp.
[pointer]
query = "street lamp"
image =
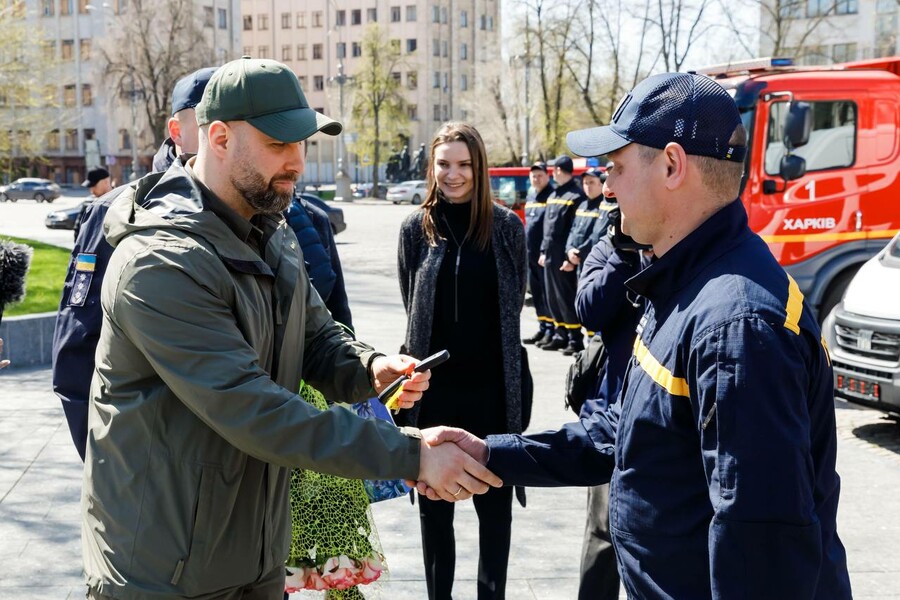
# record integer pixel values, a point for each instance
(341, 180)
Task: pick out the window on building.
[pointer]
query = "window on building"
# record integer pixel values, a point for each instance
(317, 18)
(446, 81)
(437, 112)
(47, 10)
(263, 52)
(68, 49)
(341, 50)
(490, 23)
(248, 22)
(85, 49)
(435, 47)
(832, 140)
(483, 25)
(301, 20)
(356, 16)
(285, 20)
(411, 45)
(52, 140)
(464, 82)
(846, 7)
(395, 14)
(262, 22)
(435, 14)
(301, 51)
(445, 112)
(4, 101)
(87, 98)
(436, 82)
(395, 46)
(66, 7)
(318, 83)
(356, 49)
(412, 111)
(72, 139)
(82, 7)
(248, 51)
(340, 18)
(410, 12)
(444, 15)
(302, 79)
(286, 53)
(463, 51)
(445, 51)
(124, 139)
(464, 115)
(885, 6)
(412, 80)
(843, 52)
(398, 77)
(223, 18)
(69, 96)
(209, 16)
(50, 50)
(792, 9)
(317, 51)
(885, 31)
(464, 18)
(815, 55)
(371, 15)
(123, 6)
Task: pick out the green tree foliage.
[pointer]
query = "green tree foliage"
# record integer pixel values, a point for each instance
(28, 99)
(379, 109)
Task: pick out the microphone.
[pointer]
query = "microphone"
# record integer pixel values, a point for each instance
(14, 262)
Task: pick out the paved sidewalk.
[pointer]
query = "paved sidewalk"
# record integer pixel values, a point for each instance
(40, 473)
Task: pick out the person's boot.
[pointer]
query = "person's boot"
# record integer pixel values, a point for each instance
(555, 343)
(537, 337)
(545, 338)
(575, 345)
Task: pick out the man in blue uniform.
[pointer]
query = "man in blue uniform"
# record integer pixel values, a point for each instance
(534, 235)
(78, 321)
(721, 450)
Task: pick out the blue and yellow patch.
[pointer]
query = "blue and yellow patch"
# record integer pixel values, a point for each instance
(84, 274)
(86, 263)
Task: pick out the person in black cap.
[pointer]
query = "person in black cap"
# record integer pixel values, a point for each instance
(535, 205)
(78, 320)
(721, 449)
(560, 281)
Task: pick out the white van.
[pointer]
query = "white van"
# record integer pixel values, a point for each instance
(863, 334)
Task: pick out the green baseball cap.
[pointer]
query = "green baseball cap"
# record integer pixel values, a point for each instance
(266, 94)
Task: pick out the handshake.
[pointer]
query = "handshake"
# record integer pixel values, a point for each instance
(451, 466)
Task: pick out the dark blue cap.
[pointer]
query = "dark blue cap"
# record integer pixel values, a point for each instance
(595, 172)
(564, 162)
(189, 89)
(539, 166)
(690, 109)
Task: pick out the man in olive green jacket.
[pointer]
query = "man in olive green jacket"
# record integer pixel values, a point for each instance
(209, 325)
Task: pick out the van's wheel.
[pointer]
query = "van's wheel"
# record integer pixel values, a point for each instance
(835, 292)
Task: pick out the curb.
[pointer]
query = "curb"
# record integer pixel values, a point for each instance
(28, 339)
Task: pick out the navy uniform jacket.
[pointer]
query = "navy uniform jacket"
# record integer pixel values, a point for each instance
(589, 225)
(558, 215)
(721, 451)
(534, 221)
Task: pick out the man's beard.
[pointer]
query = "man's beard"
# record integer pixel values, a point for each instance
(260, 195)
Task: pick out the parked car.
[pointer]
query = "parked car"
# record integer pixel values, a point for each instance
(74, 190)
(335, 214)
(409, 191)
(863, 334)
(364, 190)
(63, 218)
(30, 188)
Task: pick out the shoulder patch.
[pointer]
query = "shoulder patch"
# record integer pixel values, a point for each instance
(84, 274)
(86, 263)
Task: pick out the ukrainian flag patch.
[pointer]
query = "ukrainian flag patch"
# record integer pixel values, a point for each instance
(85, 263)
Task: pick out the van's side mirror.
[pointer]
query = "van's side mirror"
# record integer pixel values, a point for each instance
(792, 167)
(797, 125)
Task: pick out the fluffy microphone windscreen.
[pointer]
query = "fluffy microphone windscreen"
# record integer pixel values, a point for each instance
(14, 262)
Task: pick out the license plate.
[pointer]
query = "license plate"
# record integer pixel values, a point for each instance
(859, 387)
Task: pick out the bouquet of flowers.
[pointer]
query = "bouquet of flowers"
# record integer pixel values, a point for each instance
(334, 546)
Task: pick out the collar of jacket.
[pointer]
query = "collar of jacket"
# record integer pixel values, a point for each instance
(721, 232)
(173, 200)
(569, 187)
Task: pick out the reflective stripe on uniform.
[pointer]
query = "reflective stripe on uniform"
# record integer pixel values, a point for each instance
(677, 386)
(794, 306)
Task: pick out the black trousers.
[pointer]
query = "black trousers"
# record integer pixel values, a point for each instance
(599, 572)
(539, 293)
(560, 290)
(494, 511)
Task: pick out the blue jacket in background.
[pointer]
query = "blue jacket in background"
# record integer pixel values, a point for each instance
(721, 451)
(605, 306)
(558, 215)
(534, 221)
(589, 225)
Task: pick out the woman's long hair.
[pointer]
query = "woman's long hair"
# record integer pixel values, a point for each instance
(481, 208)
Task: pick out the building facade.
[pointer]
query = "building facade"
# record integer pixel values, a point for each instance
(442, 43)
(97, 122)
(822, 32)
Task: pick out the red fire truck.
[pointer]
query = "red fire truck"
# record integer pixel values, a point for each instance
(509, 185)
(821, 184)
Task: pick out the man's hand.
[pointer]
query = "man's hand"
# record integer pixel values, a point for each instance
(542, 259)
(386, 369)
(573, 255)
(567, 266)
(3, 363)
(449, 472)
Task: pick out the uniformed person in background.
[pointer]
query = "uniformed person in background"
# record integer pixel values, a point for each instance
(560, 283)
(541, 189)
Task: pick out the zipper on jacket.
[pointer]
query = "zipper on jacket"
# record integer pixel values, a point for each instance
(455, 269)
